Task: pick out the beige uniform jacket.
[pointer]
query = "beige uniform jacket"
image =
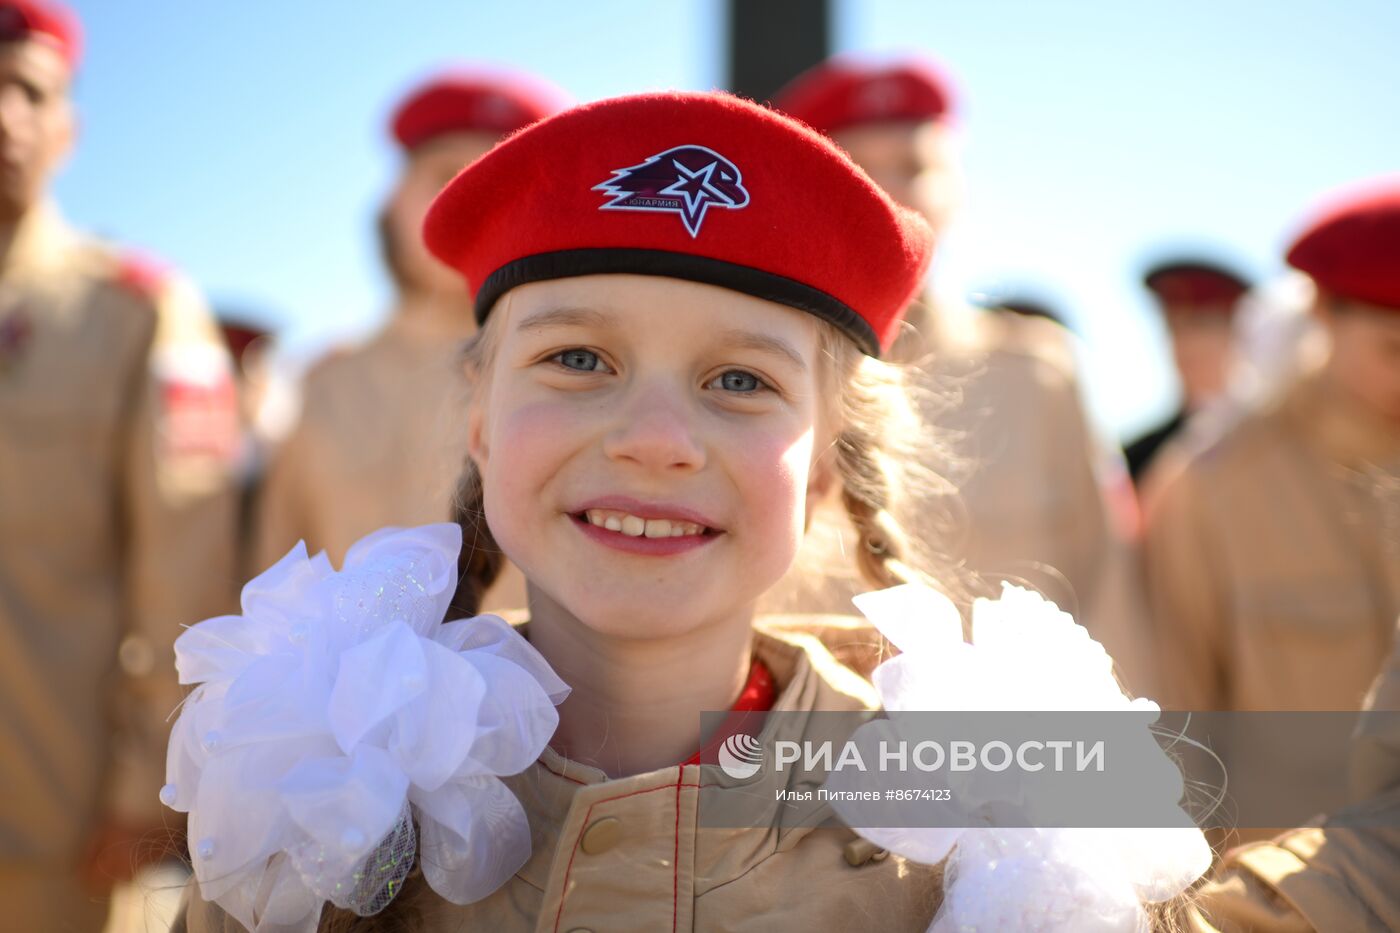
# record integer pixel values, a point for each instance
(1044, 499)
(1375, 752)
(1329, 878)
(380, 442)
(656, 868)
(118, 426)
(1274, 570)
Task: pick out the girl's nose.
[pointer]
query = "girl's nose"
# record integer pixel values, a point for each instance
(656, 431)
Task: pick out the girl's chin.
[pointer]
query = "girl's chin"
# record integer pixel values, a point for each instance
(634, 620)
(649, 613)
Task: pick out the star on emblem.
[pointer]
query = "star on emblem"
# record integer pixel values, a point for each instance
(695, 190)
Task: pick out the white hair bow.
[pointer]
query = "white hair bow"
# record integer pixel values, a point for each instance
(339, 711)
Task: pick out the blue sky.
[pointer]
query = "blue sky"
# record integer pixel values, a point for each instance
(245, 142)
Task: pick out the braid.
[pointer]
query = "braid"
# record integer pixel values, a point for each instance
(481, 560)
(881, 543)
(884, 456)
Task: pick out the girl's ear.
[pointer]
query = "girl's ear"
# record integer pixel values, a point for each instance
(477, 448)
(819, 483)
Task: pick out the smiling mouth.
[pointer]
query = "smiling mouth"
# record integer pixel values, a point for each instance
(634, 526)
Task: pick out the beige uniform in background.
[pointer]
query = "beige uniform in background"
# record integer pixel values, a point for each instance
(1274, 571)
(657, 868)
(1332, 877)
(118, 425)
(1048, 503)
(380, 442)
(1375, 752)
(1327, 878)
(1037, 488)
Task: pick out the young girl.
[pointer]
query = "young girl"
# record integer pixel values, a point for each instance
(682, 298)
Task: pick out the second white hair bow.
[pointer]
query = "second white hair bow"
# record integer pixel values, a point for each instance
(1025, 655)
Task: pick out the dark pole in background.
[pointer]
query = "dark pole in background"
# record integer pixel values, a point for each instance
(772, 41)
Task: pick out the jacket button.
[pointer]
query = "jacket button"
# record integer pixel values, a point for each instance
(860, 851)
(602, 835)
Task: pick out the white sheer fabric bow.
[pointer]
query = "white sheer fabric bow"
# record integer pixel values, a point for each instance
(335, 713)
(1026, 655)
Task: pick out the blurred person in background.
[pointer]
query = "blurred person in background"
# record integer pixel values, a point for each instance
(1198, 298)
(1028, 306)
(1042, 498)
(118, 430)
(250, 342)
(1273, 546)
(1277, 339)
(355, 461)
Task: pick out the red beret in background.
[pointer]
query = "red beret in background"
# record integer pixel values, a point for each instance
(461, 100)
(841, 93)
(700, 186)
(1195, 283)
(1351, 246)
(240, 334)
(53, 23)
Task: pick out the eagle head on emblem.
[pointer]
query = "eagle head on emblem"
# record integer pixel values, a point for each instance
(684, 180)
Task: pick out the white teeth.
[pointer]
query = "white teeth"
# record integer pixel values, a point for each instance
(636, 527)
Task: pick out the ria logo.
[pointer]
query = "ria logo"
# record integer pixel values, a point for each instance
(686, 180)
(740, 756)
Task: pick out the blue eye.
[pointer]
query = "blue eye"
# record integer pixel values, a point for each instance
(737, 380)
(581, 360)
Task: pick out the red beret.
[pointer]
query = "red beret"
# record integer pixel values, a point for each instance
(1352, 246)
(458, 101)
(1195, 283)
(700, 186)
(841, 93)
(47, 22)
(240, 335)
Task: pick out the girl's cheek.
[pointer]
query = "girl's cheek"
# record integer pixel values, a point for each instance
(536, 428)
(775, 500)
(531, 439)
(527, 445)
(776, 467)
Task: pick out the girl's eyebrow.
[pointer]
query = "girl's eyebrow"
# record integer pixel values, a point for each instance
(763, 343)
(563, 317)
